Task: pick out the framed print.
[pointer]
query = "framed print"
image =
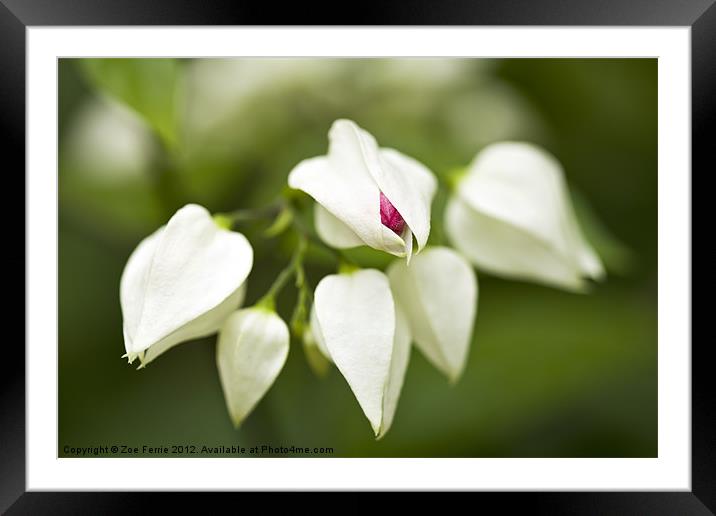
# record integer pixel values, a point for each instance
(446, 251)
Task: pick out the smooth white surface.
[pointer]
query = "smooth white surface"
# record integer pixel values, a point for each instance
(251, 350)
(356, 314)
(438, 292)
(182, 282)
(512, 215)
(670, 471)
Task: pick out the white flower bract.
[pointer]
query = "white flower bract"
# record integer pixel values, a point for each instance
(512, 216)
(361, 330)
(181, 283)
(438, 292)
(251, 351)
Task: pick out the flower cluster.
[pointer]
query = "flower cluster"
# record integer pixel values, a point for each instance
(509, 214)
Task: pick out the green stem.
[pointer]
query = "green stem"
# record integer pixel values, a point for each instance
(299, 317)
(269, 299)
(267, 212)
(347, 267)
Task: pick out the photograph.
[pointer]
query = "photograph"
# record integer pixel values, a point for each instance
(357, 257)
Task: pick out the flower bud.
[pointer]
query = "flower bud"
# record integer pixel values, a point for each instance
(251, 351)
(389, 216)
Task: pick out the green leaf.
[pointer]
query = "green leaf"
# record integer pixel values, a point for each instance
(151, 87)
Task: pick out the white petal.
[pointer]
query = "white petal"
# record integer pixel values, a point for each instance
(398, 366)
(336, 234)
(356, 314)
(504, 250)
(181, 281)
(410, 187)
(133, 285)
(515, 218)
(251, 351)
(438, 292)
(408, 239)
(204, 325)
(332, 231)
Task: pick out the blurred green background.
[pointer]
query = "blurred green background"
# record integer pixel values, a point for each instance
(550, 374)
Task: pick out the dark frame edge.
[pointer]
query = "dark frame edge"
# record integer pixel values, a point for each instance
(371, 12)
(703, 117)
(12, 144)
(702, 499)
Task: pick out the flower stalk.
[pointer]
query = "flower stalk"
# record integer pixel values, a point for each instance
(268, 301)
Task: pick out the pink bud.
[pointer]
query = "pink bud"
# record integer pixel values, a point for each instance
(389, 216)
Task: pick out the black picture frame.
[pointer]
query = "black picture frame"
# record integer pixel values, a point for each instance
(17, 15)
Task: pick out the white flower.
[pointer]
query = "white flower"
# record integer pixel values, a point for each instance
(181, 283)
(367, 195)
(359, 327)
(438, 292)
(252, 349)
(512, 216)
